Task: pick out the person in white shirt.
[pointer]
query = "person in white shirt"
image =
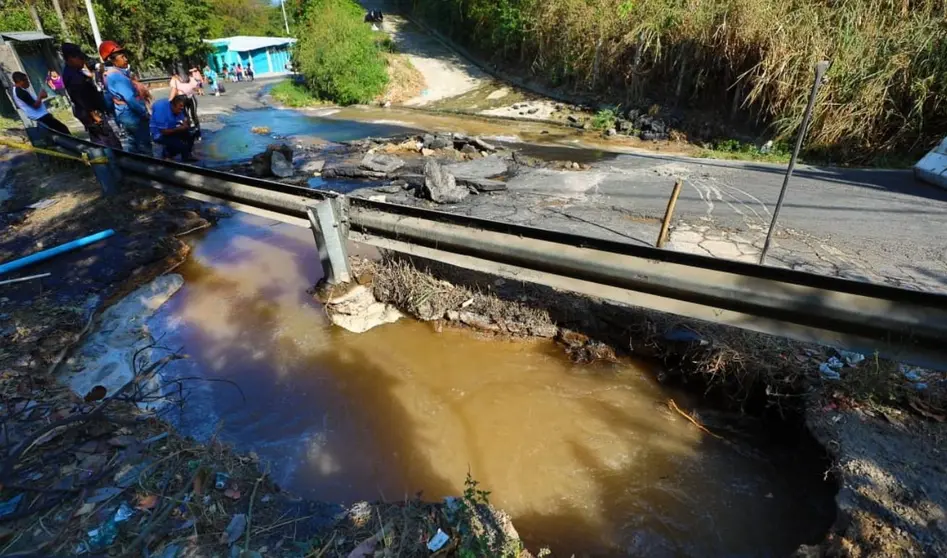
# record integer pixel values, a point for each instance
(32, 106)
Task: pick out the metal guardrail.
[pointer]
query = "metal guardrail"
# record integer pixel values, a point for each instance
(900, 323)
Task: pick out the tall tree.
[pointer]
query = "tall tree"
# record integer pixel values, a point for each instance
(62, 20)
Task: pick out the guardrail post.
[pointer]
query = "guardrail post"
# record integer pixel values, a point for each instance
(329, 231)
(105, 169)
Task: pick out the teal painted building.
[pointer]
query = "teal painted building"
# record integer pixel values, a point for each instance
(266, 55)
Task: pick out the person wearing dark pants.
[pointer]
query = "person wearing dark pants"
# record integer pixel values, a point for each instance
(88, 103)
(171, 128)
(33, 106)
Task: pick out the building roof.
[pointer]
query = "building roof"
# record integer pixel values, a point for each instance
(24, 36)
(244, 43)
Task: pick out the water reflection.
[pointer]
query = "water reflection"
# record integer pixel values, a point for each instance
(586, 459)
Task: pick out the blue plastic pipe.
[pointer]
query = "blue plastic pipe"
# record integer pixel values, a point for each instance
(61, 249)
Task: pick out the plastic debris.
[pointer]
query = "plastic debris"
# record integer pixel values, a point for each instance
(851, 358)
(438, 541)
(104, 536)
(828, 372)
(234, 530)
(9, 506)
(220, 481)
(681, 334)
(123, 513)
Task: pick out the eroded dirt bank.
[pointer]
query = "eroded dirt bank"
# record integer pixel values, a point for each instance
(880, 423)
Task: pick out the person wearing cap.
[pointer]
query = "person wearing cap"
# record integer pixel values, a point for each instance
(34, 107)
(131, 110)
(171, 128)
(88, 104)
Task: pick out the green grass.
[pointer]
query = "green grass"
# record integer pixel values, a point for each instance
(742, 151)
(341, 58)
(292, 94)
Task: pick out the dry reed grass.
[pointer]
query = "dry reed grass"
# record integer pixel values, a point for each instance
(885, 94)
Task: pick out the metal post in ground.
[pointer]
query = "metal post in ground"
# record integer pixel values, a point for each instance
(666, 224)
(329, 231)
(105, 169)
(820, 69)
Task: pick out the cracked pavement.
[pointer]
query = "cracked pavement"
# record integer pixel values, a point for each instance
(869, 225)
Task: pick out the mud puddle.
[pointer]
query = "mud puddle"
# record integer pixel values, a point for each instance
(233, 140)
(586, 459)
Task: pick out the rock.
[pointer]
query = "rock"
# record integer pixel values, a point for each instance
(611, 132)
(633, 114)
(576, 166)
(348, 171)
(412, 181)
(313, 167)
(381, 163)
(438, 141)
(533, 110)
(427, 152)
(573, 119)
(280, 166)
(482, 184)
(391, 188)
(469, 149)
(358, 311)
(262, 163)
(484, 146)
(652, 136)
(622, 125)
(440, 185)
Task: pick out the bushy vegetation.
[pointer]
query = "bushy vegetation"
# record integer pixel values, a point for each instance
(886, 91)
(292, 94)
(338, 54)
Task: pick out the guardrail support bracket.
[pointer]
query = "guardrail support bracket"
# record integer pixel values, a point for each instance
(329, 231)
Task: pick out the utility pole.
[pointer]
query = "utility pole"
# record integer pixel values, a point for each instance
(282, 6)
(94, 23)
(820, 69)
(62, 20)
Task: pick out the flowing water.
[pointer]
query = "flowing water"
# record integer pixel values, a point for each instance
(585, 458)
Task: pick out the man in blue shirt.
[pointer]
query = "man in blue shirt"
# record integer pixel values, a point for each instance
(130, 109)
(171, 128)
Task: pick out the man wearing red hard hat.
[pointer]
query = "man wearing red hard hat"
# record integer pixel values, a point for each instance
(131, 111)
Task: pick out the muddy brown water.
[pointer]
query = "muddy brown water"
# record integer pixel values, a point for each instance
(586, 459)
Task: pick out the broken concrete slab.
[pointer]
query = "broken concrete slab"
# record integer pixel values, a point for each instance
(358, 311)
(486, 167)
(440, 186)
(380, 162)
(482, 184)
(106, 357)
(352, 171)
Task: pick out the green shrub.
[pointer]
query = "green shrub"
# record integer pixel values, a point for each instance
(339, 55)
(292, 94)
(604, 119)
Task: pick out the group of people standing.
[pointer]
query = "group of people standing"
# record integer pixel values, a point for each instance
(238, 72)
(171, 123)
